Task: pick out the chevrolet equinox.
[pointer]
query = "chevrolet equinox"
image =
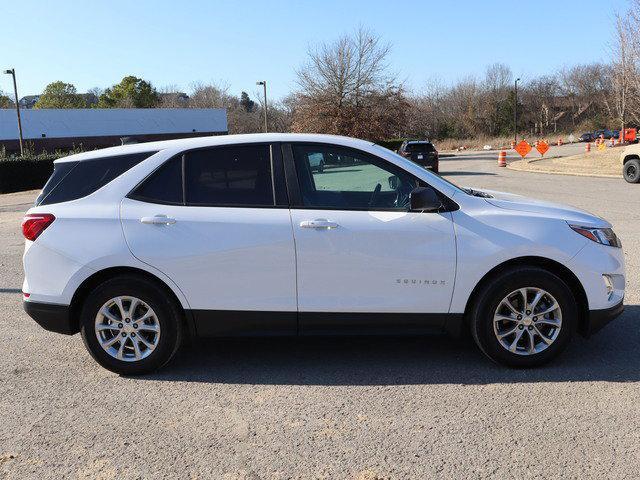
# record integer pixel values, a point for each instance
(137, 246)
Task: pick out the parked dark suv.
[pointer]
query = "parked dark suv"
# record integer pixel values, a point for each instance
(421, 152)
(606, 133)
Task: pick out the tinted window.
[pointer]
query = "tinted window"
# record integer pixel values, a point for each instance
(162, 186)
(350, 180)
(232, 176)
(87, 176)
(420, 147)
(60, 170)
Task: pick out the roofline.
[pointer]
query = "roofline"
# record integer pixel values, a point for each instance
(215, 140)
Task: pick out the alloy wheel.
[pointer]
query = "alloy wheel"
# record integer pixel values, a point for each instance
(127, 328)
(527, 321)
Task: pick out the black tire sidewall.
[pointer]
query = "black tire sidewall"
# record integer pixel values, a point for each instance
(482, 321)
(632, 178)
(170, 327)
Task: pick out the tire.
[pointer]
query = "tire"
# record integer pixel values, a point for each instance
(165, 321)
(631, 171)
(509, 285)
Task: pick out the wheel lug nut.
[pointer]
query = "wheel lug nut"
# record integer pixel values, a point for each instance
(124, 334)
(133, 334)
(535, 319)
(135, 325)
(120, 325)
(528, 312)
(530, 327)
(520, 327)
(519, 317)
(127, 320)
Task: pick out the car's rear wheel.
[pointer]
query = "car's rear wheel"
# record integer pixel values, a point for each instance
(524, 318)
(631, 171)
(130, 326)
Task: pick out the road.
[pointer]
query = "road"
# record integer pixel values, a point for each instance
(325, 408)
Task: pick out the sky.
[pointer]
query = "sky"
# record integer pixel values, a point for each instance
(177, 43)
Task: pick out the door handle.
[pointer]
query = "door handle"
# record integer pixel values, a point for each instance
(158, 220)
(318, 223)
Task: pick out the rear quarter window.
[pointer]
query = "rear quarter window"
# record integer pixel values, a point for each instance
(74, 180)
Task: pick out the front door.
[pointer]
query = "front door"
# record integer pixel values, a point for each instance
(365, 263)
(222, 236)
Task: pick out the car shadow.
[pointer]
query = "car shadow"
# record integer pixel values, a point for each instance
(612, 355)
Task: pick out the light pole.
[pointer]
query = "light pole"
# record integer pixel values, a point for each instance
(515, 112)
(12, 72)
(264, 86)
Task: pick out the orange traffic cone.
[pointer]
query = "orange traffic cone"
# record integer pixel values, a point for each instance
(502, 158)
(587, 147)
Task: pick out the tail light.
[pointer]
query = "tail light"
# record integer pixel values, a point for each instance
(36, 223)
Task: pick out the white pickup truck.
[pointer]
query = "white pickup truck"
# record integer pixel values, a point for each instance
(630, 160)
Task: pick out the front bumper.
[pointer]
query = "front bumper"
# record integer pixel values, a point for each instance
(52, 317)
(597, 319)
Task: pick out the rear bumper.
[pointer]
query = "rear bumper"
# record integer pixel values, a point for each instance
(52, 317)
(427, 162)
(599, 318)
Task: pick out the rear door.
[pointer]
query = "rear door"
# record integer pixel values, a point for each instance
(365, 263)
(217, 223)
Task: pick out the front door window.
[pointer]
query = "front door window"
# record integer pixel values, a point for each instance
(337, 178)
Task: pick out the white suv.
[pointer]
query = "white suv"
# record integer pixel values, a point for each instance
(137, 246)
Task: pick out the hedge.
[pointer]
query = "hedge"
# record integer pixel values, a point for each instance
(25, 173)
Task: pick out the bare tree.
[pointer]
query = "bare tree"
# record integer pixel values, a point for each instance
(624, 68)
(172, 97)
(346, 89)
(496, 88)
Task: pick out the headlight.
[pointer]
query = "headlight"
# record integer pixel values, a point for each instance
(604, 236)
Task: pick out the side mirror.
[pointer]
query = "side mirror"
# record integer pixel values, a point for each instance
(424, 199)
(394, 182)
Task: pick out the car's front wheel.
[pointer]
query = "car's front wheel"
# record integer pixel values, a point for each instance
(524, 318)
(631, 171)
(129, 326)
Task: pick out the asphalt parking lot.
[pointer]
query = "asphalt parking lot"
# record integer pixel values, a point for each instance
(326, 408)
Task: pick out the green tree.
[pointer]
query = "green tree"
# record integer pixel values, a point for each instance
(131, 92)
(246, 102)
(5, 101)
(60, 95)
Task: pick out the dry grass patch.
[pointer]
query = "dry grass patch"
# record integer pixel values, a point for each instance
(595, 163)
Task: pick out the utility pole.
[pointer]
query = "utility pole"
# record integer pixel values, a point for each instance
(515, 112)
(264, 86)
(12, 72)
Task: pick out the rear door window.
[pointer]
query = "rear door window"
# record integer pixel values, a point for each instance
(82, 178)
(164, 185)
(229, 176)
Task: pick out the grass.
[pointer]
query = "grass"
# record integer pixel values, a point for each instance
(477, 143)
(595, 163)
